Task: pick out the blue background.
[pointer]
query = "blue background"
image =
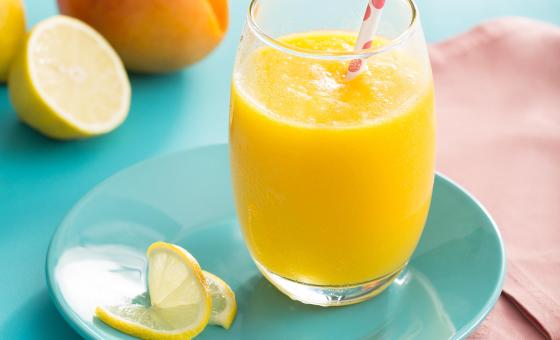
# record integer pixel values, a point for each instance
(40, 179)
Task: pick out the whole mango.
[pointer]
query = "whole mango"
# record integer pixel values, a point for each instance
(155, 36)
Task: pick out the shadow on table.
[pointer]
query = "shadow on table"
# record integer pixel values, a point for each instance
(37, 319)
(157, 103)
(31, 162)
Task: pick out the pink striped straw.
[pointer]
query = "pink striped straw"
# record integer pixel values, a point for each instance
(365, 37)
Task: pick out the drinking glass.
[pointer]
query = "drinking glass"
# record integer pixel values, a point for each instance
(332, 177)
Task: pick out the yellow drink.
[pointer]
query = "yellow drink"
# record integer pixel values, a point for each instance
(332, 179)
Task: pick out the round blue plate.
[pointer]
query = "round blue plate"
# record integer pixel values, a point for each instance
(96, 257)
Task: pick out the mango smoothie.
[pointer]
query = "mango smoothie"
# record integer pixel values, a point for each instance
(332, 178)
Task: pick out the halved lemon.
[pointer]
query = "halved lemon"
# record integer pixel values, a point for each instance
(180, 303)
(224, 306)
(68, 82)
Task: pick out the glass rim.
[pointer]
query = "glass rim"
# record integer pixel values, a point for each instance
(331, 55)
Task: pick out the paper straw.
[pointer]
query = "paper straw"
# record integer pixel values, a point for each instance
(365, 37)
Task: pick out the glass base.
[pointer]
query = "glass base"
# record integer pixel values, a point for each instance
(328, 296)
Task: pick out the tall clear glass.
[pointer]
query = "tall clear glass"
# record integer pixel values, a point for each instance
(332, 178)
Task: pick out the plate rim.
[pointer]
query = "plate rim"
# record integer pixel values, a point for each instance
(84, 330)
(472, 325)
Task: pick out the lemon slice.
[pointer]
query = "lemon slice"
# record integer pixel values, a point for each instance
(224, 306)
(180, 304)
(67, 82)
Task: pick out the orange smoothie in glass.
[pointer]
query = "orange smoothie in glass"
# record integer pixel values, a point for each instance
(332, 178)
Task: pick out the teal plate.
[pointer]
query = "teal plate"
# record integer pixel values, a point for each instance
(96, 257)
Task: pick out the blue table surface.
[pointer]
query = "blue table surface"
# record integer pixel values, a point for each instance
(40, 179)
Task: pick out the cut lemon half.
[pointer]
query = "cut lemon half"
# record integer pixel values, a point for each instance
(180, 304)
(68, 82)
(224, 305)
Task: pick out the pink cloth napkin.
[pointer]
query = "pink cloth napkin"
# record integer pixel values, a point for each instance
(498, 109)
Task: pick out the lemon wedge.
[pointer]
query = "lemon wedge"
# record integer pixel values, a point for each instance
(224, 306)
(180, 303)
(67, 81)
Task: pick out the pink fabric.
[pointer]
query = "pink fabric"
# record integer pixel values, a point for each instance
(505, 322)
(498, 107)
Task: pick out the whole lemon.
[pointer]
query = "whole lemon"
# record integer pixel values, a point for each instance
(12, 32)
